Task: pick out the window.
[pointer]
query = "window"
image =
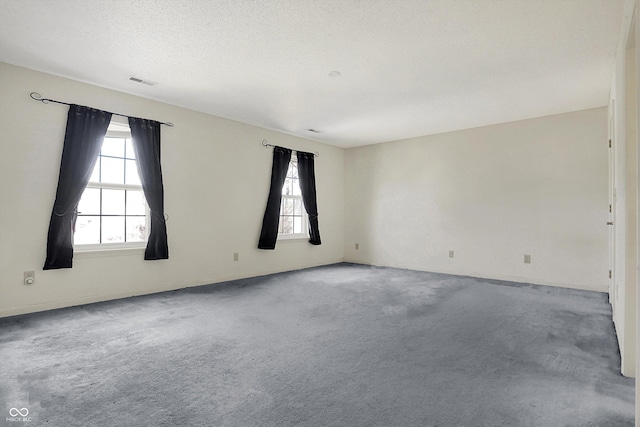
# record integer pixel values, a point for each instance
(293, 217)
(113, 212)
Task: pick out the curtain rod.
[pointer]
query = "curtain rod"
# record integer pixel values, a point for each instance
(266, 144)
(36, 96)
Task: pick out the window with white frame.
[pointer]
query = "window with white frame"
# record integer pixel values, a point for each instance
(293, 217)
(113, 211)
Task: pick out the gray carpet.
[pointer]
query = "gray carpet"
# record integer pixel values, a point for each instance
(342, 345)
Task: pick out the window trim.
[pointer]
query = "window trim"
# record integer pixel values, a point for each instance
(117, 130)
(304, 235)
(293, 237)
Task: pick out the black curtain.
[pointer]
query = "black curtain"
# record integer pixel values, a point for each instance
(86, 128)
(146, 144)
(307, 176)
(269, 233)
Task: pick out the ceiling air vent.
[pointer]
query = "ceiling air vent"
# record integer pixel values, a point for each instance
(144, 82)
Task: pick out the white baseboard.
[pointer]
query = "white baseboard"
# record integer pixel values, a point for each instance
(73, 302)
(502, 277)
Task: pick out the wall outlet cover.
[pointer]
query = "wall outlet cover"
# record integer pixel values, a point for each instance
(29, 277)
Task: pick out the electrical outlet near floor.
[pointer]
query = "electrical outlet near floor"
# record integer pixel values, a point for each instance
(450, 254)
(29, 277)
(527, 259)
(357, 246)
(235, 256)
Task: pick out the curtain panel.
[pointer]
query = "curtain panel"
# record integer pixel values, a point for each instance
(86, 128)
(306, 174)
(269, 232)
(146, 145)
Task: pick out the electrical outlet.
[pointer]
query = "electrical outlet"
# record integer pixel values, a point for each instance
(527, 259)
(235, 256)
(450, 254)
(357, 246)
(29, 277)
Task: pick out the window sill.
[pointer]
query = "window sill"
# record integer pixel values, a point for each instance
(294, 238)
(80, 252)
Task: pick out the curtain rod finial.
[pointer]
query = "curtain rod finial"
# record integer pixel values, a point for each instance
(36, 96)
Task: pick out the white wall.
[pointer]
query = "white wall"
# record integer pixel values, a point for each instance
(216, 177)
(490, 194)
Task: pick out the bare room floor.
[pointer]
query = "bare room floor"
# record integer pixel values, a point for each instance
(341, 345)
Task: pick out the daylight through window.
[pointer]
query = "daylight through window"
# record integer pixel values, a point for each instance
(293, 220)
(113, 210)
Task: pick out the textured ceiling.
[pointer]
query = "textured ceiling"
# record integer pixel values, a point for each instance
(408, 67)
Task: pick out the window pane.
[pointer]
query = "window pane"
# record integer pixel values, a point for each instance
(136, 204)
(297, 224)
(112, 229)
(296, 187)
(113, 147)
(130, 154)
(287, 224)
(113, 202)
(286, 188)
(132, 172)
(112, 170)
(95, 175)
(90, 202)
(297, 207)
(136, 231)
(293, 169)
(87, 230)
(287, 207)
